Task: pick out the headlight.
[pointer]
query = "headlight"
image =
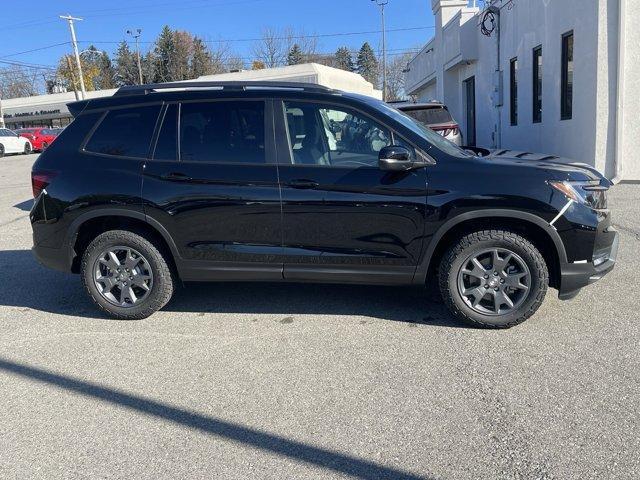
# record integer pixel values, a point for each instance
(591, 193)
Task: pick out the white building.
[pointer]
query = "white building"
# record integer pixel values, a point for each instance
(597, 78)
(43, 110)
(307, 73)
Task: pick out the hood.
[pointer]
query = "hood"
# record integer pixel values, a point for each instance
(560, 168)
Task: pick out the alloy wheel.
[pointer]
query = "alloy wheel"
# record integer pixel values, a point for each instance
(494, 281)
(122, 276)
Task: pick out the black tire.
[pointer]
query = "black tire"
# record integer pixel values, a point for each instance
(44, 146)
(27, 148)
(1, 150)
(475, 243)
(163, 284)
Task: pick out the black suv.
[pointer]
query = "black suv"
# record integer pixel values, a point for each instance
(179, 182)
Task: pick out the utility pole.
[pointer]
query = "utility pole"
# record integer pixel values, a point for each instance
(73, 76)
(381, 4)
(136, 34)
(70, 19)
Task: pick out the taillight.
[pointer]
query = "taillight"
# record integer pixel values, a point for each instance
(40, 180)
(446, 131)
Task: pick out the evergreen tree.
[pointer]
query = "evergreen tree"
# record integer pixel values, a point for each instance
(179, 66)
(107, 74)
(164, 53)
(126, 70)
(201, 60)
(367, 64)
(343, 59)
(148, 64)
(295, 56)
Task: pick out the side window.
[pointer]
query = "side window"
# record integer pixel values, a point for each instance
(222, 132)
(167, 144)
(125, 132)
(332, 136)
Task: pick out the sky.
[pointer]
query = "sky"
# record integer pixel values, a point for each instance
(233, 21)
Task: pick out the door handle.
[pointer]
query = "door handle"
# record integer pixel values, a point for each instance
(176, 177)
(302, 183)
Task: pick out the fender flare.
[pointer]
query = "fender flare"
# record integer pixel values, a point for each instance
(74, 228)
(423, 267)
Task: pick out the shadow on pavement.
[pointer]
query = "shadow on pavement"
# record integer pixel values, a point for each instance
(298, 451)
(24, 206)
(28, 284)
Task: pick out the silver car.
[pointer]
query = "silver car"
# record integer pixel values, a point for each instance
(434, 115)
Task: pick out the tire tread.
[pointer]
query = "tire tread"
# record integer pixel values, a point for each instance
(540, 274)
(166, 281)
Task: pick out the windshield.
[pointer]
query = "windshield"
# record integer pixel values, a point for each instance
(432, 137)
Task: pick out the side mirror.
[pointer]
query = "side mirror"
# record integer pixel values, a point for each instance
(395, 158)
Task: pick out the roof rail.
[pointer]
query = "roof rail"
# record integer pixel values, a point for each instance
(234, 85)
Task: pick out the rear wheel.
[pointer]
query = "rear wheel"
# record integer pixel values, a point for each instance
(126, 275)
(44, 146)
(27, 148)
(1, 150)
(493, 278)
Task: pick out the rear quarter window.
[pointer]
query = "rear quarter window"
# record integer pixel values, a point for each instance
(125, 132)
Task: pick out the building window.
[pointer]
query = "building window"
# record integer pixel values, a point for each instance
(537, 84)
(566, 83)
(513, 90)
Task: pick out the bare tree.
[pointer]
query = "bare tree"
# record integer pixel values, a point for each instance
(220, 58)
(235, 62)
(308, 44)
(396, 76)
(16, 81)
(272, 49)
(274, 46)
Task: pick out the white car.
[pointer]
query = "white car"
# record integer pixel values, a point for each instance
(11, 142)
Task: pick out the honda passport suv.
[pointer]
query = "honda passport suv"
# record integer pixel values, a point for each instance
(165, 184)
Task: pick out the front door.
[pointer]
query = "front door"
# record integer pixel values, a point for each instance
(213, 184)
(470, 117)
(344, 219)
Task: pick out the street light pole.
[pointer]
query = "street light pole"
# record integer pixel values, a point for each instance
(70, 19)
(136, 35)
(381, 4)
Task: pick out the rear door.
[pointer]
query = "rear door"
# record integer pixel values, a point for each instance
(344, 219)
(213, 184)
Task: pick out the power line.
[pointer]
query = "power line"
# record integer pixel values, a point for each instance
(28, 65)
(35, 50)
(287, 37)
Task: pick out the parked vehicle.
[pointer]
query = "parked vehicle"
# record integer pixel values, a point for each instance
(434, 115)
(11, 142)
(169, 183)
(40, 137)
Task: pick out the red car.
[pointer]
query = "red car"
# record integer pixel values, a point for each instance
(40, 137)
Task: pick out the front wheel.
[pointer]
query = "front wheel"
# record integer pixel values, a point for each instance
(493, 278)
(27, 148)
(126, 275)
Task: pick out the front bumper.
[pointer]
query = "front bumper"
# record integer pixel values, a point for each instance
(576, 275)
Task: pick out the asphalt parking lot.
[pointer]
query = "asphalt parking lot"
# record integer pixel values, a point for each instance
(305, 381)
